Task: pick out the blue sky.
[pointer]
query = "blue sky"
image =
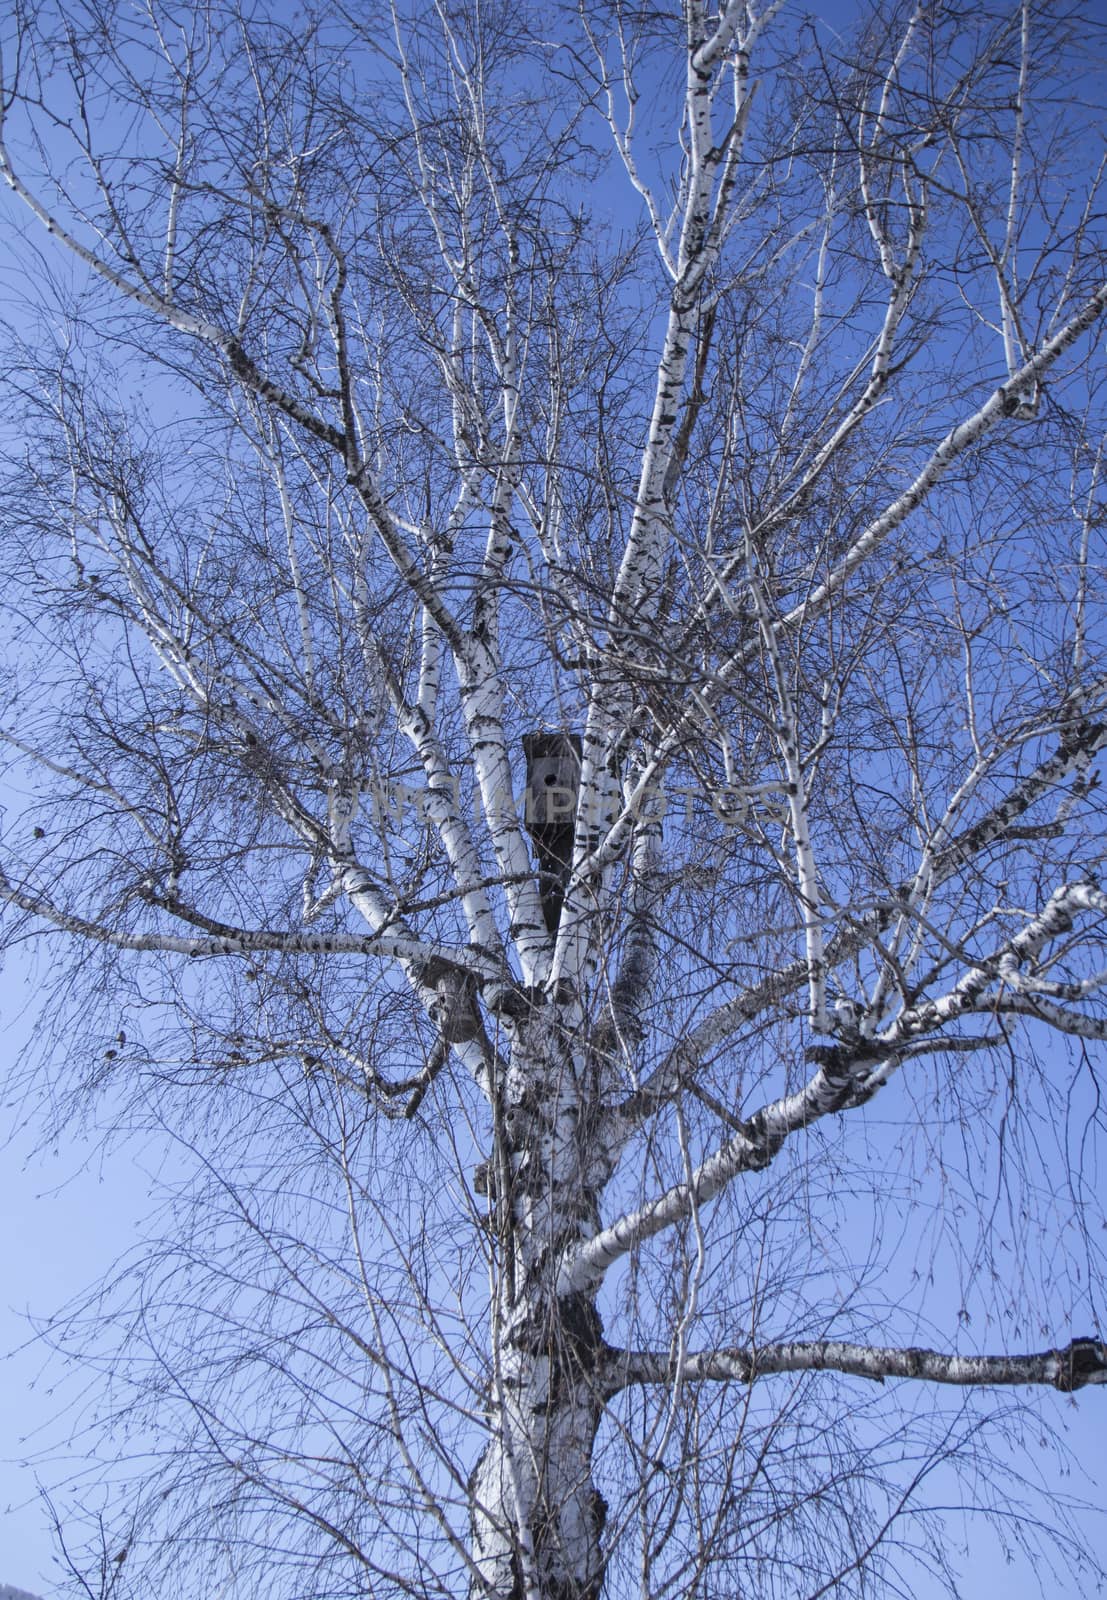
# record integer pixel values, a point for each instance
(68, 1212)
(71, 1211)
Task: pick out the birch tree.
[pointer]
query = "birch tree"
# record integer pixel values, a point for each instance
(554, 574)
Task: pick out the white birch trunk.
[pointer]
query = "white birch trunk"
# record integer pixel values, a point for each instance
(485, 515)
(537, 1517)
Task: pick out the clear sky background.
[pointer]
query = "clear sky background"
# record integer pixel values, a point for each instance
(67, 1213)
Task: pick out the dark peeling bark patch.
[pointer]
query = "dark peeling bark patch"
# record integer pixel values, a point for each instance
(518, 1588)
(581, 1328)
(1083, 1362)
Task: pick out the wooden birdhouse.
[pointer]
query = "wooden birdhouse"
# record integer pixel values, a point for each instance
(457, 1012)
(553, 785)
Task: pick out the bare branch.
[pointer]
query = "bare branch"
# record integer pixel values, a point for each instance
(1082, 1362)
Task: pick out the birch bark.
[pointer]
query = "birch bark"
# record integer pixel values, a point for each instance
(778, 499)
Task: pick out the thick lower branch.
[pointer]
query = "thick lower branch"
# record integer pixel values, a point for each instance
(750, 1149)
(1082, 1362)
(1079, 744)
(848, 1074)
